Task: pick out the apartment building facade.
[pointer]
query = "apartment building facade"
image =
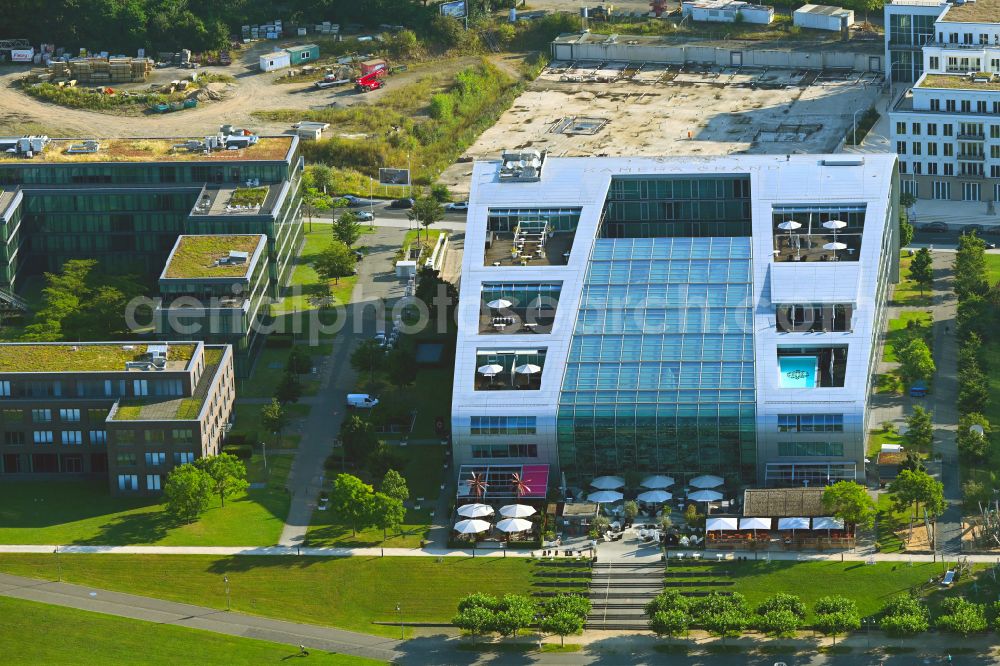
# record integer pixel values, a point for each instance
(125, 411)
(946, 128)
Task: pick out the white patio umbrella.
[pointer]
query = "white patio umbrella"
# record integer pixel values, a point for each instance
(705, 496)
(604, 497)
(527, 369)
(517, 511)
(607, 482)
(793, 524)
(475, 510)
(755, 524)
(655, 496)
(835, 246)
(514, 525)
(490, 369)
(707, 481)
(657, 482)
(790, 226)
(499, 304)
(721, 524)
(828, 523)
(471, 526)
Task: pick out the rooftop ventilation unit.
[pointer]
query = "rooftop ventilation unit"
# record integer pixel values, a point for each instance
(235, 258)
(849, 161)
(88, 147)
(521, 166)
(26, 146)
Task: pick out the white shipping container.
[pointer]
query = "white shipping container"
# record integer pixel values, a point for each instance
(822, 17)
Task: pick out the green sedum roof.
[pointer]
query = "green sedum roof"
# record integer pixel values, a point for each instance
(82, 357)
(198, 256)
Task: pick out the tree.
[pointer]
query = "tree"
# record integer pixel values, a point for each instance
(904, 616)
(962, 616)
(353, 501)
(913, 461)
(968, 352)
(723, 615)
(299, 361)
(906, 201)
(921, 269)
(779, 623)
(836, 615)
(186, 493)
(289, 389)
(513, 613)
(368, 357)
(401, 366)
(915, 361)
(671, 623)
(919, 429)
(381, 458)
(335, 262)
(974, 316)
(915, 488)
(274, 417)
(973, 390)
(567, 603)
(357, 438)
(426, 211)
(227, 472)
(971, 443)
(346, 229)
(783, 602)
(850, 502)
(562, 624)
(476, 620)
(970, 266)
(630, 510)
(394, 485)
(388, 513)
(692, 517)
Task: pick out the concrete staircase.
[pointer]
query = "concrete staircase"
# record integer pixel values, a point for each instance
(619, 591)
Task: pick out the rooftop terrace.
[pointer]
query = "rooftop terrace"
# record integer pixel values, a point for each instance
(83, 357)
(980, 11)
(156, 150)
(228, 200)
(958, 81)
(198, 256)
(171, 409)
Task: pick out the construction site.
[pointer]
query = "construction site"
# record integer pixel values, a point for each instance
(580, 108)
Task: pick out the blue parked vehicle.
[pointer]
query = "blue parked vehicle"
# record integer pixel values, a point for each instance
(918, 390)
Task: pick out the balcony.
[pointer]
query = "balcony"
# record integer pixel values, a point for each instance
(971, 157)
(971, 136)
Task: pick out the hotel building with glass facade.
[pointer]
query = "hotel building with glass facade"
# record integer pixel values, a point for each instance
(676, 315)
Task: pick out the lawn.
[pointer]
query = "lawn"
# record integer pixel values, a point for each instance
(993, 268)
(305, 285)
(889, 523)
(906, 293)
(430, 396)
(106, 639)
(83, 512)
(268, 370)
(899, 332)
(869, 585)
(350, 593)
(247, 423)
(876, 438)
(423, 474)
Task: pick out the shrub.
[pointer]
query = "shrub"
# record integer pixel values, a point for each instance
(243, 452)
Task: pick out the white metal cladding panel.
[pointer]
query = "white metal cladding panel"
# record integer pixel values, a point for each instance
(815, 282)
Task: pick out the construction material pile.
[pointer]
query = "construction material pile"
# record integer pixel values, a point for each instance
(96, 70)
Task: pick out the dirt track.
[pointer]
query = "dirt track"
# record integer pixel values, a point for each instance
(255, 91)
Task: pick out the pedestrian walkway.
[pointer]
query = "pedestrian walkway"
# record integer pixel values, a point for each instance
(199, 617)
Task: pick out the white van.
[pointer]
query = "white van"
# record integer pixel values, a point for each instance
(361, 401)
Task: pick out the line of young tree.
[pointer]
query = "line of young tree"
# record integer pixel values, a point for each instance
(483, 614)
(274, 415)
(781, 615)
(189, 488)
(360, 506)
(976, 320)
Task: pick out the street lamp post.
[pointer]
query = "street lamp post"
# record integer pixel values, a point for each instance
(225, 579)
(399, 612)
(854, 131)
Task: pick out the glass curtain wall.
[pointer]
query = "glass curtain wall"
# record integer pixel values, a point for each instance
(660, 375)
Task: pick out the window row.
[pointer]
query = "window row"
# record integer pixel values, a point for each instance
(154, 459)
(810, 423)
(504, 450)
(502, 425)
(131, 482)
(790, 449)
(706, 396)
(107, 388)
(658, 376)
(659, 348)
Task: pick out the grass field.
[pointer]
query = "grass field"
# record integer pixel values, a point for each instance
(423, 472)
(889, 524)
(350, 593)
(992, 268)
(876, 438)
(869, 585)
(81, 512)
(104, 639)
(899, 334)
(906, 293)
(267, 373)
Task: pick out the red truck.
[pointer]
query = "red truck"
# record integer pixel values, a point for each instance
(369, 82)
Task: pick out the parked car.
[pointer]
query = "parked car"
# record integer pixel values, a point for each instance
(361, 401)
(401, 203)
(935, 227)
(364, 216)
(351, 200)
(458, 206)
